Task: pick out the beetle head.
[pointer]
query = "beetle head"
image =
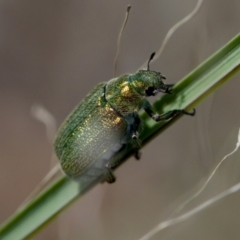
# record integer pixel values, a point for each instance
(153, 82)
(148, 82)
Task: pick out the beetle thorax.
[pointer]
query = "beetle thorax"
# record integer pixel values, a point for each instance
(122, 96)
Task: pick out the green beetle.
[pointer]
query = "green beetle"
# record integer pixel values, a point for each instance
(106, 121)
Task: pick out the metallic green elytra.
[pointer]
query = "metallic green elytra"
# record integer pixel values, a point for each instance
(105, 121)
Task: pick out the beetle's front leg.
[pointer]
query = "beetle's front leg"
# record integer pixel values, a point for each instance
(165, 116)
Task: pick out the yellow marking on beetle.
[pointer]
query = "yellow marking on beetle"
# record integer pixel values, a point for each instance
(126, 91)
(117, 120)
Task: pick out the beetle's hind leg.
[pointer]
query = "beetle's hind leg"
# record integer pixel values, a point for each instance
(136, 129)
(136, 143)
(109, 176)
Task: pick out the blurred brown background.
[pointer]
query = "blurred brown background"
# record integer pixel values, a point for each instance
(54, 52)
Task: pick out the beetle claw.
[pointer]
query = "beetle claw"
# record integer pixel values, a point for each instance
(109, 176)
(135, 135)
(137, 155)
(190, 113)
(169, 90)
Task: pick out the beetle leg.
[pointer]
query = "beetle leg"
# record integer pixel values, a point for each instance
(136, 146)
(171, 114)
(165, 116)
(135, 135)
(136, 142)
(137, 154)
(167, 89)
(109, 176)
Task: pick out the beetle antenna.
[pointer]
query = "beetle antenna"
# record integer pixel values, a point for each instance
(151, 57)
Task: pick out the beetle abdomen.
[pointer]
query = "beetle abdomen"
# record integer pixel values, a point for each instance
(82, 144)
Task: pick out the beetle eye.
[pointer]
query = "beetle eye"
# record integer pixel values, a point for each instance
(150, 91)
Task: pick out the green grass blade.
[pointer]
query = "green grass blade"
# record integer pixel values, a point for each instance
(198, 84)
(187, 93)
